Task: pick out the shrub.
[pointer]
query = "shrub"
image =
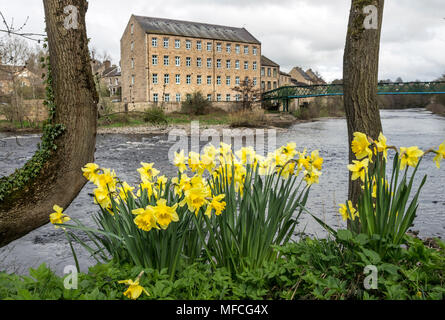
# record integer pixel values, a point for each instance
(196, 104)
(155, 115)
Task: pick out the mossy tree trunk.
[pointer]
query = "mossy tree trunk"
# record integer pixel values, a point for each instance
(360, 77)
(60, 179)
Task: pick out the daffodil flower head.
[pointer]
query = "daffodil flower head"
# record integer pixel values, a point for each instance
(58, 217)
(145, 218)
(165, 214)
(91, 172)
(360, 146)
(440, 155)
(359, 169)
(410, 156)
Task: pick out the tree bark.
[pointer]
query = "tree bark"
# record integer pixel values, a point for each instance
(61, 179)
(360, 78)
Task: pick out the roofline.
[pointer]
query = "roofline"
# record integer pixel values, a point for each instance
(193, 37)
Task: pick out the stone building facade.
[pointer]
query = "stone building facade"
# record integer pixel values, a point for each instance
(165, 60)
(270, 74)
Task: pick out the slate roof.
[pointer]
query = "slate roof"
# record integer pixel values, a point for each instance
(304, 74)
(267, 62)
(195, 30)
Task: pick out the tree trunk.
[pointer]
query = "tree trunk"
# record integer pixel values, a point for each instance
(360, 78)
(60, 180)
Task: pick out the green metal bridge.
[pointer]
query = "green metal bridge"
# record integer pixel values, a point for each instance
(285, 94)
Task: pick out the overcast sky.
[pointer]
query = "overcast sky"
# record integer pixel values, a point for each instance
(306, 33)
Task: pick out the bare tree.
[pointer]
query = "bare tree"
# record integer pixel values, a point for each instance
(248, 92)
(360, 75)
(60, 180)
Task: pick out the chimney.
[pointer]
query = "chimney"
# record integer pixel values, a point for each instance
(107, 64)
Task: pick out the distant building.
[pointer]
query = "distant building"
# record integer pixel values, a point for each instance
(167, 60)
(270, 74)
(299, 75)
(13, 76)
(285, 79)
(315, 78)
(109, 76)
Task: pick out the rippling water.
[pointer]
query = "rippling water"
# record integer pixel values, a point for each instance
(125, 152)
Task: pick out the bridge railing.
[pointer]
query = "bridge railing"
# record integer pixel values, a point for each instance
(320, 90)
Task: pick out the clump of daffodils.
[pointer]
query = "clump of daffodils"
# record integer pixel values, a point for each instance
(198, 174)
(366, 149)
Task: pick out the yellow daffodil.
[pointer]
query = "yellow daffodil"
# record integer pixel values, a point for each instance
(381, 146)
(180, 161)
(360, 146)
(312, 176)
(107, 180)
(102, 197)
(246, 155)
(359, 169)
(217, 205)
(316, 160)
(409, 156)
(146, 218)
(440, 155)
(134, 289)
(344, 211)
(147, 185)
(91, 172)
(165, 214)
(147, 171)
(125, 190)
(289, 150)
(58, 217)
(195, 198)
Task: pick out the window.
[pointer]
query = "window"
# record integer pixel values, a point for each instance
(155, 97)
(167, 97)
(218, 80)
(274, 84)
(188, 79)
(154, 60)
(199, 79)
(178, 97)
(166, 42)
(274, 73)
(188, 44)
(218, 47)
(209, 46)
(218, 97)
(132, 45)
(177, 44)
(132, 80)
(155, 78)
(154, 42)
(166, 78)
(116, 81)
(228, 64)
(237, 64)
(132, 28)
(199, 62)
(178, 79)
(269, 74)
(254, 51)
(254, 65)
(238, 97)
(188, 62)
(237, 48)
(166, 61)
(209, 62)
(228, 48)
(228, 80)
(218, 63)
(178, 61)
(132, 63)
(199, 45)
(263, 85)
(209, 80)
(254, 81)
(246, 65)
(269, 85)
(237, 80)
(209, 97)
(262, 72)
(228, 97)
(246, 49)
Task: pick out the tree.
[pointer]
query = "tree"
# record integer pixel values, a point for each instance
(360, 76)
(59, 177)
(248, 92)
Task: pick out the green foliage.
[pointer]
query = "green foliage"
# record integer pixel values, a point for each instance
(155, 116)
(310, 269)
(196, 104)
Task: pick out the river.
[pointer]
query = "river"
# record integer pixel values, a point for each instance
(125, 152)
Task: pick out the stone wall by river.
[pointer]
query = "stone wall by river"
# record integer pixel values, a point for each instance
(125, 152)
